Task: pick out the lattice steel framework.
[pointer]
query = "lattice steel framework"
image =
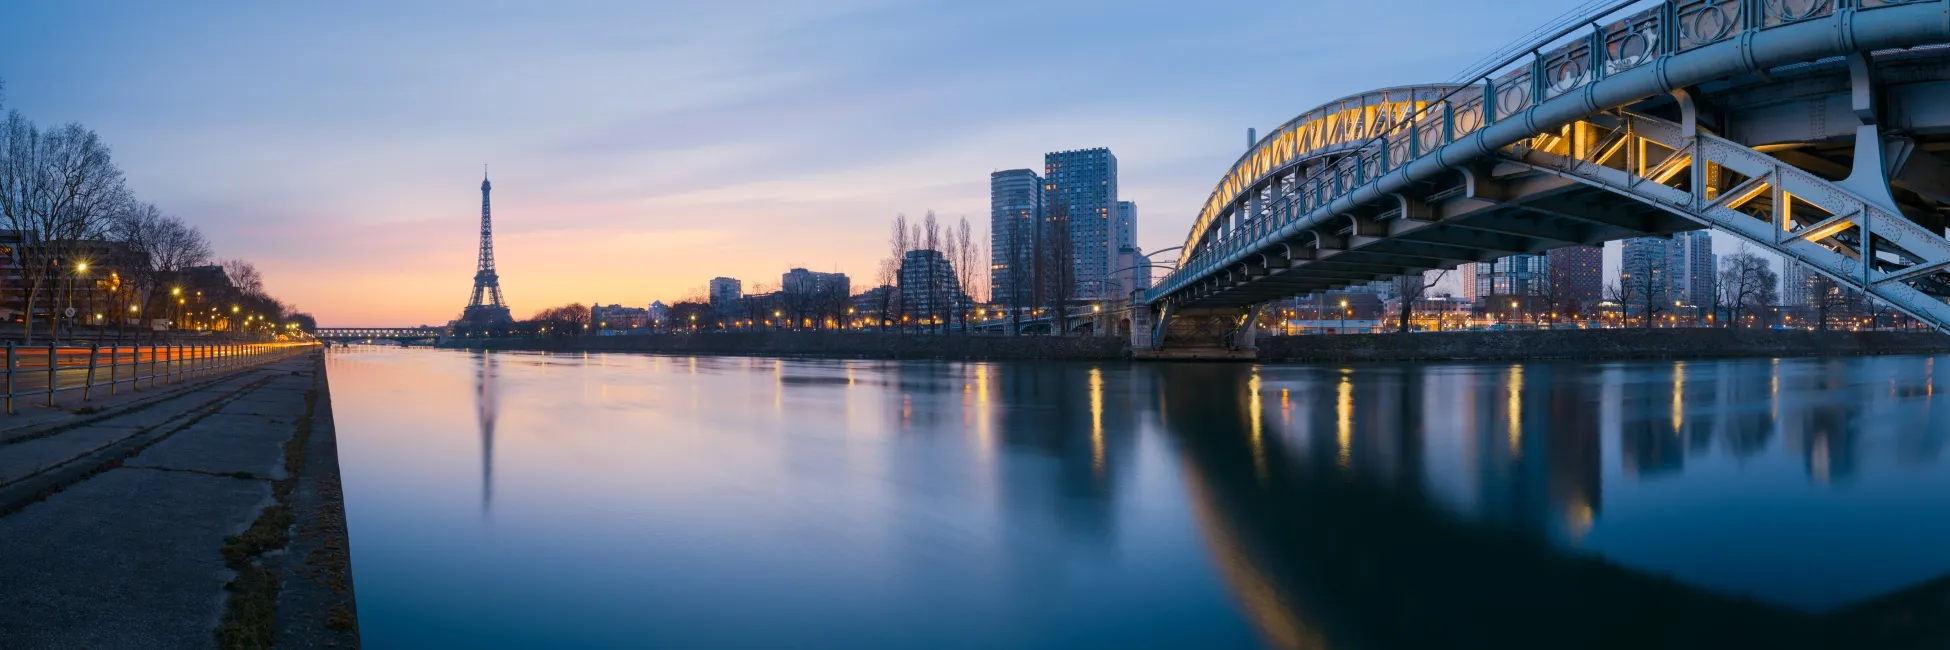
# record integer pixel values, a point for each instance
(485, 306)
(1754, 196)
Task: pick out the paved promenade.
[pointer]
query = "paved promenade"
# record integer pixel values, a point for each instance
(200, 515)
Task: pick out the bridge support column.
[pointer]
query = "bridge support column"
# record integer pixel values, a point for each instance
(1210, 333)
(1246, 337)
(1869, 179)
(1141, 333)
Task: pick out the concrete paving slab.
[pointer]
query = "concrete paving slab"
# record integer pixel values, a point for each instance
(140, 409)
(22, 459)
(223, 443)
(265, 401)
(128, 559)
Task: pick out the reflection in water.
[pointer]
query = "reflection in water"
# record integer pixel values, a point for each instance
(1515, 409)
(1344, 409)
(1529, 561)
(1097, 421)
(486, 406)
(671, 502)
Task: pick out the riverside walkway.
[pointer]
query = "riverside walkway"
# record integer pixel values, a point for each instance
(204, 513)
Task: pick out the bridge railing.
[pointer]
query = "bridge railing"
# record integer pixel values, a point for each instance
(1613, 39)
(47, 371)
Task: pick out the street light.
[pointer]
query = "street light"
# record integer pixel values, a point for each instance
(79, 268)
(1343, 316)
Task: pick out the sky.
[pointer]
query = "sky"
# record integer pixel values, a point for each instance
(639, 149)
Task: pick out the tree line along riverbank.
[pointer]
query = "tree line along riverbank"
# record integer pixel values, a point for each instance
(1421, 346)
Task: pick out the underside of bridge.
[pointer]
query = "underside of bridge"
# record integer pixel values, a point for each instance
(1833, 155)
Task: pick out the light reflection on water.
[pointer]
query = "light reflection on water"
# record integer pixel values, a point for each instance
(517, 500)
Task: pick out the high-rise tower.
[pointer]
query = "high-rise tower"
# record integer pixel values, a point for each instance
(1015, 236)
(1080, 189)
(485, 307)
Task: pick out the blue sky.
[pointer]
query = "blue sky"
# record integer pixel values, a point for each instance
(640, 148)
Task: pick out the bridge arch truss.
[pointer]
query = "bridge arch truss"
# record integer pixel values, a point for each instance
(1596, 134)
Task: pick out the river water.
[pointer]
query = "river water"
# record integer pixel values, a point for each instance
(516, 500)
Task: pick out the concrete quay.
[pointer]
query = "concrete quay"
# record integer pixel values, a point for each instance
(1517, 345)
(834, 344)
(206, 514)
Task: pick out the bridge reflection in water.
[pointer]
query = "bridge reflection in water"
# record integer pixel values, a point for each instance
(1416, 507)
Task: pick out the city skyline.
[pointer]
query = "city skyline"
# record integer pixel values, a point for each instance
(628, 193)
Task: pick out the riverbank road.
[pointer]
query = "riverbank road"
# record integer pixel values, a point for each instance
(205, 515)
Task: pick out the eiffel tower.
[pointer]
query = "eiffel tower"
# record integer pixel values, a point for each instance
(485, 308)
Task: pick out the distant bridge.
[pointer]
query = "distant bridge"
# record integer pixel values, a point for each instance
(401, 335)
(1811, 128)
(1082, 319)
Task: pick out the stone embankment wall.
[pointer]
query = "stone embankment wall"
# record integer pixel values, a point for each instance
(1422, 346)
(856, 345)
(1596, 344)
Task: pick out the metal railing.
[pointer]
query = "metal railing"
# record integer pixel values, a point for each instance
(49, 370)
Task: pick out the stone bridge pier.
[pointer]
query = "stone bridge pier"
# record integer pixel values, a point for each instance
(1201, 333)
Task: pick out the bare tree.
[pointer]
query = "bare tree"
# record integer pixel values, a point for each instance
(976, 251)
(160, 248)
(1643, 284)
(244, 276)
(1020, 268)
(762, 305)
(969, 265)
(1746, 285)
(1056, 267)
(951, 253)
(890, 298)
(57, 188)
(1555, 293)
(898, 244)
(930, 240)
(1831, 300)
(961, 238)
(1410, 289)
(699, 301)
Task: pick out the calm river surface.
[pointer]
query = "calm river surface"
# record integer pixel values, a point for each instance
(623, 501)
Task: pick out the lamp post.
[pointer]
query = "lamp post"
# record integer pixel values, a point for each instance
(69, 313)
(1343, 329)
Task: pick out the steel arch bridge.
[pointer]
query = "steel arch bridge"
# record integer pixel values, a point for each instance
(399, 334)
(1812, 128)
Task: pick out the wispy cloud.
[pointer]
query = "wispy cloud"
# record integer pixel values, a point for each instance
(640, 148)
